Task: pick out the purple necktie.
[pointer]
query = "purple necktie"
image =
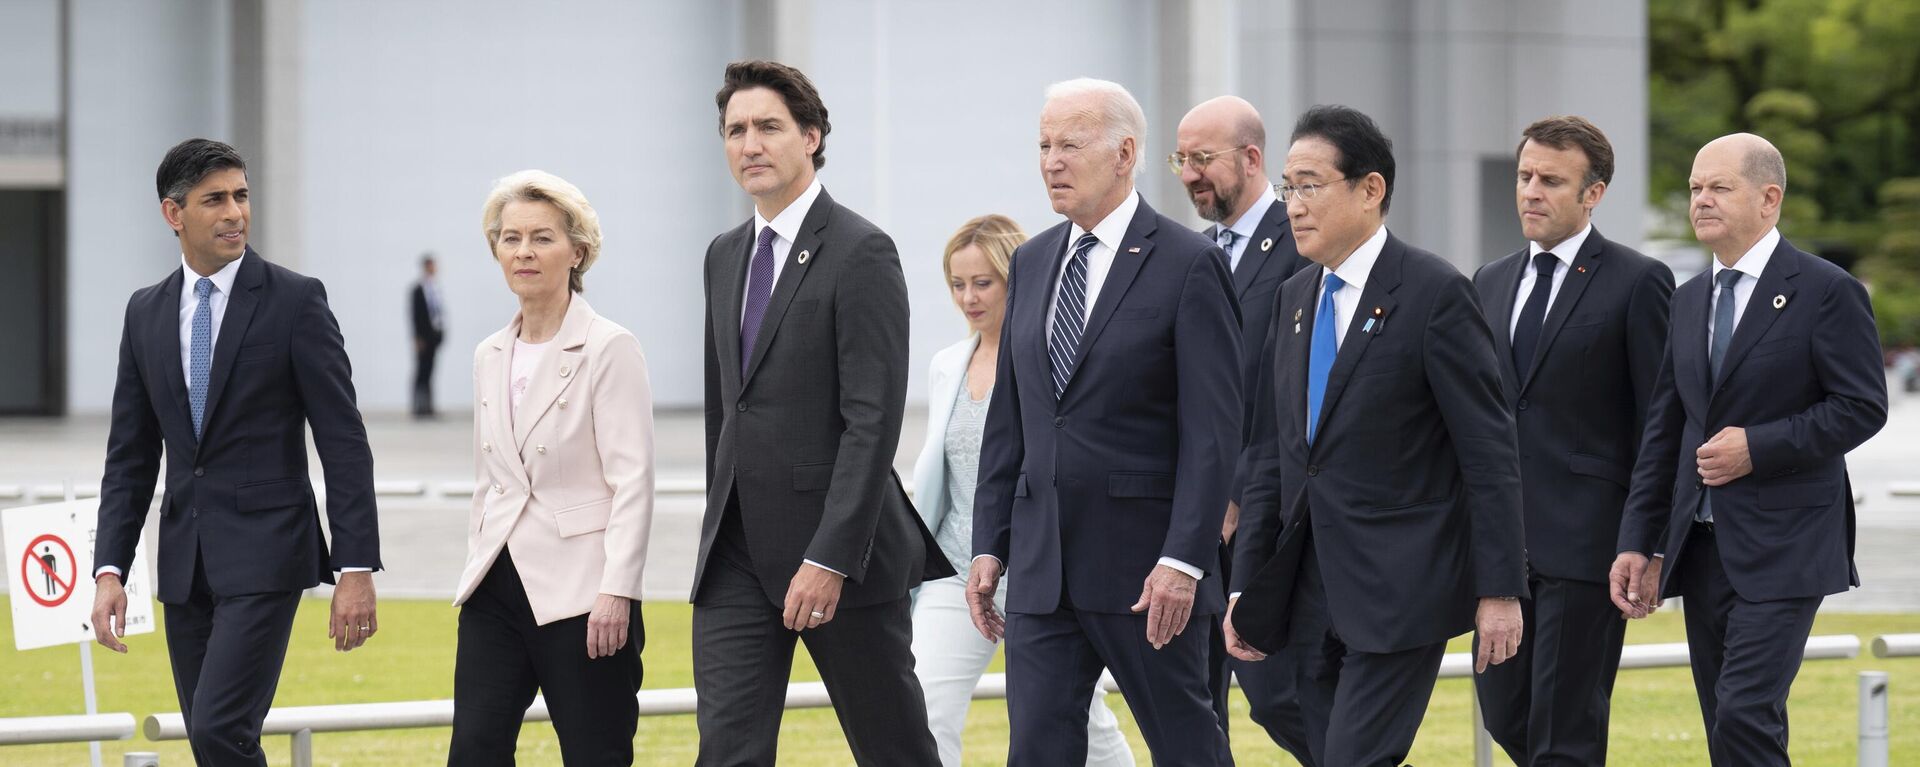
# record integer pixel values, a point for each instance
(759, 293)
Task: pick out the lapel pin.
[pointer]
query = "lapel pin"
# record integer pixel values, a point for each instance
(1367, 328)
(1133, 250)
(1266, 244)
(1296, 328)
(1379, 321)
(804, 255)
(1580, 269)
(1780, 301)
(1296, 322)
(1296, 314)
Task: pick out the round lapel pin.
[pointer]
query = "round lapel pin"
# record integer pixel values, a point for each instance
(1780, 301)
(1266, 244)
(803, 256)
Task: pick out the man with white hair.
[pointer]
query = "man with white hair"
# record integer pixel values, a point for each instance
(1109, 446)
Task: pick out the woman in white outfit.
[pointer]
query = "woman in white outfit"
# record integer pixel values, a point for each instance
(949, 654)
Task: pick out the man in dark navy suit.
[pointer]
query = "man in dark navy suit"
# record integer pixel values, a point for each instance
(1109, 445)
(1382, 511)
(1220, 155)
(1741, 501)
(223, 365)
(1579, 322)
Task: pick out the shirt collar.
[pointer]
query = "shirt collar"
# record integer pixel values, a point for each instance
(1357, 267)
(1565, 251)
(1112, 229)
(1250, 220)
(222, 280)
(1754, 261)
(787, 223)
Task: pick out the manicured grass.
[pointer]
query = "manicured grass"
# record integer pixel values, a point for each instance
(1656, 720)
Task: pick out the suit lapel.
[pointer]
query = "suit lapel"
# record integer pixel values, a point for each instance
(1299, 307)
(794, 270)
(1761, 310)
(495, 398)
(729, 281)
(166, 323)
(1377, 304)
(233, 327)
(1585, 264)
(1050, 279)
(1134, 249)
(1258, 258)
(1507, 274)
(556, 371)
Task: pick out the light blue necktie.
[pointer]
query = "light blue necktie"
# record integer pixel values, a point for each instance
(200, 359)
(1320, 355)
(1717, 353)
(1069, 315)
(1226, 239)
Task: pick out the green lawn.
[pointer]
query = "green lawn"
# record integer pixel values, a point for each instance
(1656, 721)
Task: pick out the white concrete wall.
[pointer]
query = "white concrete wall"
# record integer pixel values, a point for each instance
(30, 58)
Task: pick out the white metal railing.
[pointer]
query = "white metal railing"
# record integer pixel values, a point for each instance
(1896, 645)
(79, 728)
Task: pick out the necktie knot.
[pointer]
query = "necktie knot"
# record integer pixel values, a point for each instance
(1227, 238)
(203, 288)
(765, 240)
(1545, 262)
(1334, 283)
(1085, 244)
(1727, 278)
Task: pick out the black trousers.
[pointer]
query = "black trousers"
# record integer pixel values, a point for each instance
(1548, 704)
(1054, 660)
(1745, 655)
(743, 656)
(1268, 685)
(424, 353)
(504, 658)
(1361, 709)
(227, 652)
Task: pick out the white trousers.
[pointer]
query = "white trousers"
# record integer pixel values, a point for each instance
(950, 656)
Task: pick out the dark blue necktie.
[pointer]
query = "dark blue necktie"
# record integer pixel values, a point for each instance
(1326, 344)
(200, 353)
(759, 293)
(1226, 239)
(1069, 315)
(1526, 335)
(1717, 353)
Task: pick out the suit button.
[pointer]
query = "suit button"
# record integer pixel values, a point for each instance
(742, 407)
(199, 472)
(1697, 484)
(486, 447)
(1060, 422)
(541, 449)
(563, 403)
(483, 403)
(1312, 470)
(498, 489)
(1522, 404)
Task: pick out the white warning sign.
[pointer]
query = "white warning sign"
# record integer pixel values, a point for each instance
(49, 559)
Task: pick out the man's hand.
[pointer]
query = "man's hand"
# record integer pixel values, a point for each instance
(1236, 647)
(353, 621)
(1724, 458)
(607, 626)
(1230, 523)
(109, 612)
(1634, 584)
(811, 598)
(1167, 599)
(1499, 625)
(983, 579)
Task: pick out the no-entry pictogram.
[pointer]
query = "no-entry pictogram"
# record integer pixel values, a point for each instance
(40, 569)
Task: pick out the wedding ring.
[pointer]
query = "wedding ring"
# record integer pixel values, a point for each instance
(817, 614)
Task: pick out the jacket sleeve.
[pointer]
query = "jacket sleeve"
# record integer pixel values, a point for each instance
(1206, 342)
(623, 437)
(324, 378)
(1260, 520)
(134, 444)
(1462, 371)
(1003, 446)
(1846, 360)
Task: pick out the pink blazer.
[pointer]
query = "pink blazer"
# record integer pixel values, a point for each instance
(567, 485)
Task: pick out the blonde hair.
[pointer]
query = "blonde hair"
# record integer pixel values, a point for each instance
(994, 234)
(583, 224)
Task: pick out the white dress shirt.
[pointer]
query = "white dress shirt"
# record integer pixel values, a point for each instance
(1354, 272)
(786, 227)
(1248, 222)
(1751, 264)
(1564, 253)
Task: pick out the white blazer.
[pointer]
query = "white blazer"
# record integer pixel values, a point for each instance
(567, 485)
(944, 376)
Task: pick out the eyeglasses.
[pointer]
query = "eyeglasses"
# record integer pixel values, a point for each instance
(1179, 160)
(1288, 192)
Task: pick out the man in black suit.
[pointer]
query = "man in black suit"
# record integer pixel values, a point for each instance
(808, 534)
(224, 364)
(1220, 155)
(428, 332)
(1740, 492)
(1579, 323)
(1107, 452)
(1382, 511)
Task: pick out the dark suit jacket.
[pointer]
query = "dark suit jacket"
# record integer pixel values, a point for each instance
(1581, 406)
(1803, 376)
(1270, 257)
(423, 328)
(806, 439)
(1411, 487)
(1088, 492)
(239, 497)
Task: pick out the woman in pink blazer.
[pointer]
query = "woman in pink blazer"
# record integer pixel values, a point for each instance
(557, 539)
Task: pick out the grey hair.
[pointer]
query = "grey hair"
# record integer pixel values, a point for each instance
(1120, 115)
(1763, 165)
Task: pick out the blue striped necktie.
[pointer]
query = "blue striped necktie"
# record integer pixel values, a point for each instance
(200, 353)
(1069, 315)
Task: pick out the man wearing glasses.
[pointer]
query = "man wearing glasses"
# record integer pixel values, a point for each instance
(1382, 511)
(1220, 158)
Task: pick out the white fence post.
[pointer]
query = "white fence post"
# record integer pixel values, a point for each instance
(1873, 719)
(140, 759)
(303, 748)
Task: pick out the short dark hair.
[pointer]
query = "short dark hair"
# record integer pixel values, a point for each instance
(794, 88)
(189, 162)
(1363, 148)
(1564, 131)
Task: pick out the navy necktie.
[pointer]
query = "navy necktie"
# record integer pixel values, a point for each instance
(1069, 315)
(759, 294)
(1526, 335)
(1717, 353)
(1226, 239)
(200, 353)
(1326, 345)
